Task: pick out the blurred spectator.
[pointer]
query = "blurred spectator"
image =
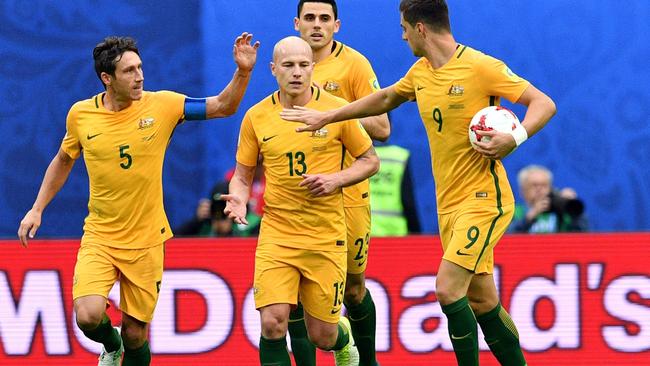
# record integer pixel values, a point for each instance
(211, 221)
(392, 203)
(546, 210)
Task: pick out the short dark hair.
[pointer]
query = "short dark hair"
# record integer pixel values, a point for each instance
(434, 13)
(109, 51)
(331, 2)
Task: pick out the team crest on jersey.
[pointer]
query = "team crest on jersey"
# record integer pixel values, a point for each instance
(322, 133)
(331, 86)
(145, 123)
(456, 91)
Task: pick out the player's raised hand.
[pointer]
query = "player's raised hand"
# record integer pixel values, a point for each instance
(313, 119)
(320, 184)
(235, 208)
(500, 144)
(28, 226)
(244, 53)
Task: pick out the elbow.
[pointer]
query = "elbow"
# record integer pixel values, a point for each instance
(374, 165)
(551, 107)
(383, 134)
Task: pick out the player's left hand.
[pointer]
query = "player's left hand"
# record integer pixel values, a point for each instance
(500, 145)
(313, 119)
(320, 184)
(244, 53)
(235, 208)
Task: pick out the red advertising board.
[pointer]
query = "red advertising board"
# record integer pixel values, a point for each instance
(579, 299)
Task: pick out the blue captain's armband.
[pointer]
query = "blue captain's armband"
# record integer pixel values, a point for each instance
(195, 108)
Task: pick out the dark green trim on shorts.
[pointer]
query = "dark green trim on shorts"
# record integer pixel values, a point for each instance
(494, 221)
(493, 100)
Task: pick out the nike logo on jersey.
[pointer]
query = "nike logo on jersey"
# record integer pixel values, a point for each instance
(334, 311)
(265, 139)
(418, 88)
(90, 137)
(461, 253)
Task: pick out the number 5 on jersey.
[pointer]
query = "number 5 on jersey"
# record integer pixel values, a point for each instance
(124, 155)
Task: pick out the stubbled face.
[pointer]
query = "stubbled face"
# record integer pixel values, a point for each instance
(128, 81)
(317, 25)
(536, 186)
(292, 68)
(411, 36)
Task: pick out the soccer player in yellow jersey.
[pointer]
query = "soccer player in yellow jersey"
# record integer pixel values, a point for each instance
(451, 82)
(123, 134)
(344, 72)
(301, 250)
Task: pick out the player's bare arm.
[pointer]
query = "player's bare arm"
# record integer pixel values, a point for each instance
(227, 102)
(540, 110)
(55, 176)
(378, 127)
(239, 191)
(371, 105)
(365, 166)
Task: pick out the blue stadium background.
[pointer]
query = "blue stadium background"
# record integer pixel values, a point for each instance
(590, 56)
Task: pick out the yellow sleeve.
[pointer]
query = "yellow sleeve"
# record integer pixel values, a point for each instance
(247, 146)
(173, 103)
(70, 144)
(365, 79)
(355, 138)
(404, 86)
(497, 79)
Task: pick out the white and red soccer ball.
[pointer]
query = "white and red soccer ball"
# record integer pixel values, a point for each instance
(492, 118)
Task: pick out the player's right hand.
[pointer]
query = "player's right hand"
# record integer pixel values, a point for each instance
(28, 226)
(235, 208)
(313, 119)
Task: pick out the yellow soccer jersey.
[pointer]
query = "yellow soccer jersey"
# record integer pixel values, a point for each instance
(347, 74)
(292, 216)
(447, 99)
(124, 153)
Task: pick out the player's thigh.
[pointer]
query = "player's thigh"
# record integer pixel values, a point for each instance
(323, 284)
(95, 272)
(357, 220)
(277, 276)
(470, 234)
(140, 280)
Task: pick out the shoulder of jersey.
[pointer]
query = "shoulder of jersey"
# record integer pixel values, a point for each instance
(326, 97)
(264, 105)
(350, 52)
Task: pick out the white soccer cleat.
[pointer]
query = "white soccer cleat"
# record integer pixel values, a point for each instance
(348, 355)
(111, 358)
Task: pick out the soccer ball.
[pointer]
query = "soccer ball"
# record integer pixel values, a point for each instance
(491, 118)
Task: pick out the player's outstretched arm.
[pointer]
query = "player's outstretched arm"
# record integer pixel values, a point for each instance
(55, 176)
(365, 166)
(371, 105)
(227, 102)
(239, 191)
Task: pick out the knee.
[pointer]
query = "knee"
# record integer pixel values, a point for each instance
(354, 293)
(323, 338)
(134, 333)
(481, 305)
(274, 326)
(88, 318)
(446, 294)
